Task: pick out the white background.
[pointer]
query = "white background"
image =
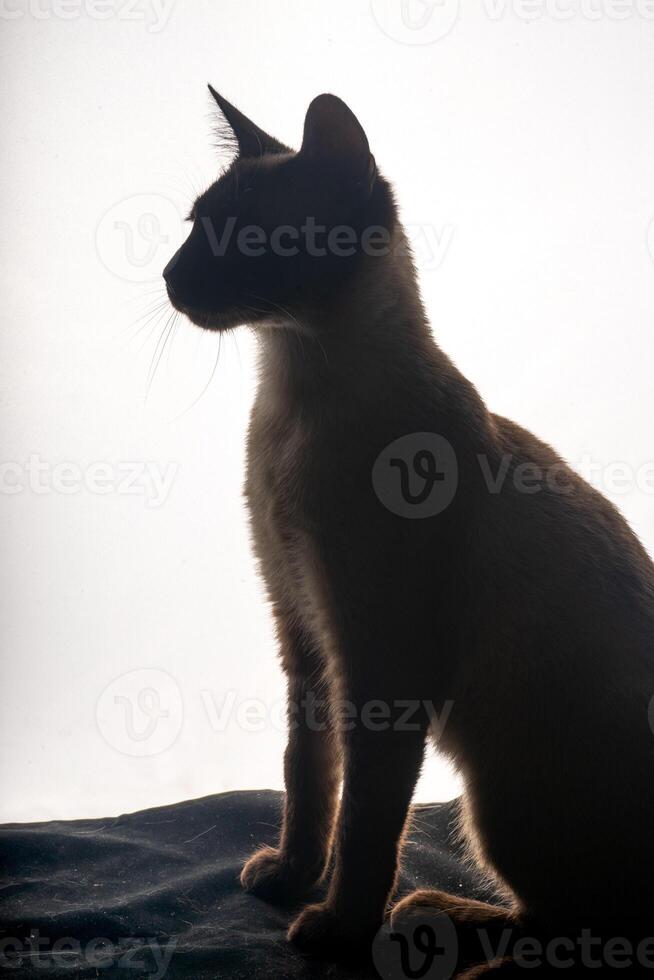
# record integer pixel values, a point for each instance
(522, 139)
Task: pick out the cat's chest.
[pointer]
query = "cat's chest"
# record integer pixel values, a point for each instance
(283, 490)
(281, 467)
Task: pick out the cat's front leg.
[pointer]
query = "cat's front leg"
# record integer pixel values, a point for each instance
(312, 777)
(381, 769)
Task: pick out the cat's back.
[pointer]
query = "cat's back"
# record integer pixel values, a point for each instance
(572, 565)
(545, 497)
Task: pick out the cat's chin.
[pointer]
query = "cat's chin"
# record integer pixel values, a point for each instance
(210, 321)
(231, 320)
(213, 321)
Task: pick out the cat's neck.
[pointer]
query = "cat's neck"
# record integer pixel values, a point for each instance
(376, 327)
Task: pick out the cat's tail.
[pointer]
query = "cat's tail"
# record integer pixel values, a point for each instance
(483, 931)
(494, 940)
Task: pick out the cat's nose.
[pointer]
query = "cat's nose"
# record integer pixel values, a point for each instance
(167, 273)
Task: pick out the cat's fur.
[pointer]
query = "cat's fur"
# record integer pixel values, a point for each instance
(531, 613)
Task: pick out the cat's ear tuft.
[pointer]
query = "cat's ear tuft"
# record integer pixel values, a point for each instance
(333, 136)
(251, 141)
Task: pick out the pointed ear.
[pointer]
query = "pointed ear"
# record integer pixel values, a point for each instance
(251, 141)
(334, 137)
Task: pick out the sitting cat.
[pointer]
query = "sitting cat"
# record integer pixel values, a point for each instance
(524, 618)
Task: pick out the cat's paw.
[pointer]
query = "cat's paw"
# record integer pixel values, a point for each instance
(271, 876)
(320, 931)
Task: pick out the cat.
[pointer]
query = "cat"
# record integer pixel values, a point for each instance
(523, 617)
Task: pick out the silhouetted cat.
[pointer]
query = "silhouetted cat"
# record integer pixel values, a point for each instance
(522, 618)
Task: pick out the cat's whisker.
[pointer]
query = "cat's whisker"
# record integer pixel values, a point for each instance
(156, 348)
(153, 294)
(172, 339)
(320, 345)
(236, 348)
(277, 306)
(146, 296)
(207, 384)
(149, 320)
(153, 323)
(158, 351)
(301, 330)
(257, 309)
(159, 288)
(153, 307)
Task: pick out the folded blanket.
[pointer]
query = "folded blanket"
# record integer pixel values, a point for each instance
(156, 893)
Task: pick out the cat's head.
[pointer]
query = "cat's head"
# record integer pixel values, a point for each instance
(281, 232)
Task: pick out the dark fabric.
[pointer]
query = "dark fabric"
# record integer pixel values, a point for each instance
(165, 882)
